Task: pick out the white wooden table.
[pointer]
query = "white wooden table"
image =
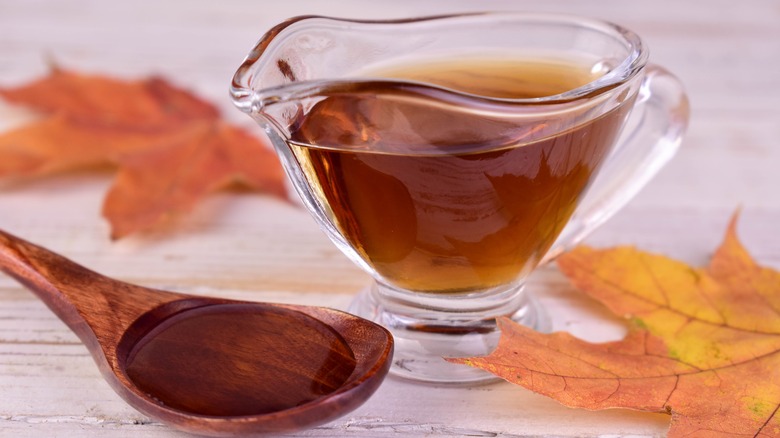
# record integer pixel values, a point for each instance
(252, 247)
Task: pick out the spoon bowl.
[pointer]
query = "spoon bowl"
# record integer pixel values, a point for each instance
(207, 365)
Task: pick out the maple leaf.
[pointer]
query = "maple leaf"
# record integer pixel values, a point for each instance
(703, 344)
(171, 147)
(164, 181)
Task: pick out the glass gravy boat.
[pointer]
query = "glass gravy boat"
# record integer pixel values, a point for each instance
(447, 196)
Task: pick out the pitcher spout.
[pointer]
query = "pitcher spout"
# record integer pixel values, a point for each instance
(268, 107)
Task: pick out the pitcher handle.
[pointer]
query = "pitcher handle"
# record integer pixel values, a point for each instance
(652, 136)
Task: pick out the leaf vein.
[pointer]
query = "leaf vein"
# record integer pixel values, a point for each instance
(671, 392)
(657, 283)
(760, 429)
(679, 374)
(671, 309)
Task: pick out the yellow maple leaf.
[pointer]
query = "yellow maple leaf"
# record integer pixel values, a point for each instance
(703, 343)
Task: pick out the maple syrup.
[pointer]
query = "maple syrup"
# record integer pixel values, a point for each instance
(233, 359)
(444, 198)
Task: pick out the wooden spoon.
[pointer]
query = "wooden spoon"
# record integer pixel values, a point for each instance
(210, 366)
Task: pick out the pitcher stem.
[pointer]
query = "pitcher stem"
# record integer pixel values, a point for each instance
(464, 326)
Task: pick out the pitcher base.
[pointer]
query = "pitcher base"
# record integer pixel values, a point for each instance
(424, 336)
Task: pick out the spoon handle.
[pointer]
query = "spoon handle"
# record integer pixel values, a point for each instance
(92, 305)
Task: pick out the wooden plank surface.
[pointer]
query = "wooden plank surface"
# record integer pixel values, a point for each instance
(252, 247)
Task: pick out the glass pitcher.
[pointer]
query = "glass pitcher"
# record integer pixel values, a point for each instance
(449, 156)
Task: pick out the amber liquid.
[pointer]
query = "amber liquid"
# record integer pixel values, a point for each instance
(234, 359)
(437, 199)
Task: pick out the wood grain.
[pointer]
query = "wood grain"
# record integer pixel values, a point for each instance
(206, 365)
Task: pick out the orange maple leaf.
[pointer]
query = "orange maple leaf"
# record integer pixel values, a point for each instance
(171, 147)
(703, 344)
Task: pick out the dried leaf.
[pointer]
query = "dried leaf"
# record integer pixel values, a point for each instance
(703, 344)
(57, 144)
(171, 147)
(144, 105)
(169, 180)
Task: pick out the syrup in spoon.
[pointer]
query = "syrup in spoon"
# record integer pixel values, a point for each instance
(210, 366)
